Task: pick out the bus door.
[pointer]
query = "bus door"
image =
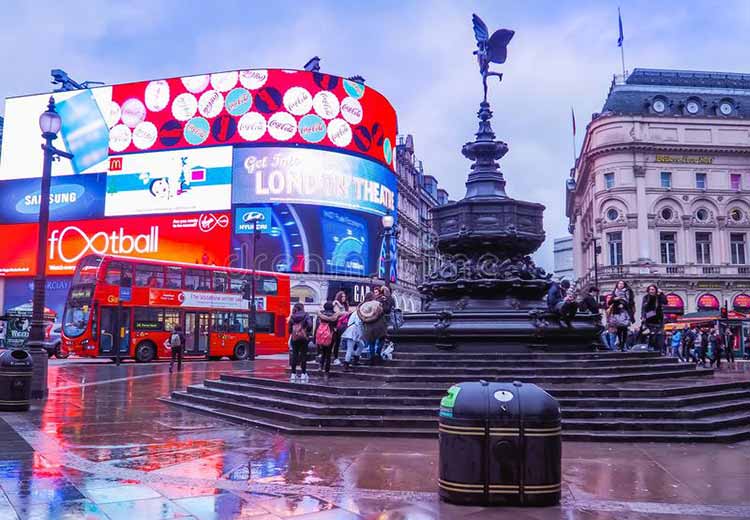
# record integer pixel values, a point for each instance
(108, 332)
(196, 333)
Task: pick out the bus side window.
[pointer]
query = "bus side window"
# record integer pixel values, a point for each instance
(221, 281)
(119, 273)
(236, 282)
(171, 318)
(149, 275)
(264, 322)
(174, 277)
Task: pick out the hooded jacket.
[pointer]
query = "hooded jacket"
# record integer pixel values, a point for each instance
(304, 317)
(329, 317)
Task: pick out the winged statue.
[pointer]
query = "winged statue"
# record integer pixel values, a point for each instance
(490, 49)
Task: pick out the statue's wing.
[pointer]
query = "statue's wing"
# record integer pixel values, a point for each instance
(497, 46)
(480, 29)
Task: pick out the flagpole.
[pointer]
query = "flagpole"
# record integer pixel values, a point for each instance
(573, 117)
(621, 42)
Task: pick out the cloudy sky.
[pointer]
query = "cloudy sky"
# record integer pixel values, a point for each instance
(418, 54)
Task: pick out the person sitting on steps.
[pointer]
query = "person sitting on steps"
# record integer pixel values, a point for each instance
(562, 302)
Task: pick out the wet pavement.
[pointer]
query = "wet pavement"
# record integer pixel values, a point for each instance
(102, 447)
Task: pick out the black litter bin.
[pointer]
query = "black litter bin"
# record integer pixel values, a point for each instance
(500, 445)
(15, 380)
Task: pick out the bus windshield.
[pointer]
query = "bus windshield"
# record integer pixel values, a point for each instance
(86, 270)
(76, 318)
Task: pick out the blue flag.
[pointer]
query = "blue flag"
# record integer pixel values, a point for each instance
(619, 21)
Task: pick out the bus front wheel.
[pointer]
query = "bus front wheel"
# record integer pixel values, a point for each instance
(241, 351)
(145, 352)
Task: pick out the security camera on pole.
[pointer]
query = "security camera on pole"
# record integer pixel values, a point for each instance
(50, 124)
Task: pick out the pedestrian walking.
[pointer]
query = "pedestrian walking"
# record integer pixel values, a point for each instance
(325, 332)
(652, 317)
(300, 329)
(176, 346)
(340, 307)
(702, 346)
(676, 344)
(729, 346)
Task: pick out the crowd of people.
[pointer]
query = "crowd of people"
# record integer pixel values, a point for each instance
(704, 346)
(360, 332)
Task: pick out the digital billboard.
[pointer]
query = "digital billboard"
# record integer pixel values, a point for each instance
(308, 176)
(308, 238)
(170, 182)
(200, 238)
(84, 133)
(72, 197)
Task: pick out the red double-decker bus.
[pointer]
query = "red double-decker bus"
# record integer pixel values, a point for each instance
(153, 296)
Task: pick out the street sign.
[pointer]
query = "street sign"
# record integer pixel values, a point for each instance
(125, 294)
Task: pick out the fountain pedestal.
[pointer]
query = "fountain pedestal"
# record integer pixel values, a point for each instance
(487, 294)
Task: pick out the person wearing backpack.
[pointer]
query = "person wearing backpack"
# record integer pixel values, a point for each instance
(325, 336)
(300, 330)
(341, 307)
(176, 345)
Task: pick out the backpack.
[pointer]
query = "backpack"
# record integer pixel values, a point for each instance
(298, 331)
(175, 340)
(324, 334)
(343, 323)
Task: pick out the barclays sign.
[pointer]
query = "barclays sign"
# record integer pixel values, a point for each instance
(72, 197)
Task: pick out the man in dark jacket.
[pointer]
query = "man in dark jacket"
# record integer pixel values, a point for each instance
(300, 330)
(652, 317)
(562, 303)
(177, 347)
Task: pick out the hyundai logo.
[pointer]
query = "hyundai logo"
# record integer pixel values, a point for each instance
(253, 215)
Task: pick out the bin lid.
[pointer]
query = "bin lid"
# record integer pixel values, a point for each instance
(15, 358)
(481, 399)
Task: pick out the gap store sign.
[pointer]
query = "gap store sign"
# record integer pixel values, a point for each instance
(310, 176)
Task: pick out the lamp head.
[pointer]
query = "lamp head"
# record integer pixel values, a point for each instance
(387, 221)
(50, 121)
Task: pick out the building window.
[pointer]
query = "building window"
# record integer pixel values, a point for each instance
(735, 181)
(668, 248)
(737, 244)
(700, 181)
(736, 214)
(609, 180)
(612, 214)
(667, 214)
(666, 179)
(703, 248)
(614, 240)
(702, 215)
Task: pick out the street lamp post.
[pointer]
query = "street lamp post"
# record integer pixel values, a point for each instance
(251, 296)
(597, 250)
(50, 124)
(388, 221)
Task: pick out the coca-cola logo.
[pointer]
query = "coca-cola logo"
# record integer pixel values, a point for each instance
(351, 110)
(339, 132)
(253, 79)
(282, 126)
(326, 104)
(144, 135)
(133, 112)
(298, 101)
(312, 128)
(120, 137)
(210, 103)
(252, 126)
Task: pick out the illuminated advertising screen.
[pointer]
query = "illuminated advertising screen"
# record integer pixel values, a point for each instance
(72, 197)
(170, 182)
(200, 238)
(84, 133)
(19, 292)
(308, 176)
(307, 238)
(227, 108)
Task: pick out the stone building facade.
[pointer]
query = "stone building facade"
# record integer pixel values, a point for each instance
(662, 186)
(417, 194)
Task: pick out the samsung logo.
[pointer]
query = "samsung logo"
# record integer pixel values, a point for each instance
(61, 195)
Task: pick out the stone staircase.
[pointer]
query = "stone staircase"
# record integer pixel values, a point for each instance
(604, 396)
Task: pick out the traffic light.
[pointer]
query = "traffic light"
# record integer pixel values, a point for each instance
(247, 291)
